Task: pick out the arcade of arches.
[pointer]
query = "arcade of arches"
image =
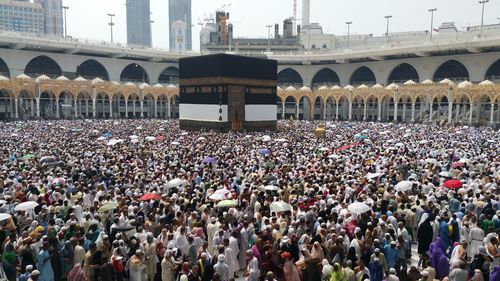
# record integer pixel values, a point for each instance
(465, 103)
(26, 98)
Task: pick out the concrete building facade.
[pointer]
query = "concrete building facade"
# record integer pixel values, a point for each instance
(53, 17)
(138, 23)
(22, 16)
(180, 10)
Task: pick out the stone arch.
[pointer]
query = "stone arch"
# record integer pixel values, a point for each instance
(493, 72)
(362, 75)
(26, 104)
(149, 106)
(162, 106)
(48, 105)
(102, 105)
(118, 105)
(91, 69)
(169, 75)
(305, 108)
(290, 107)
(483, 108)
(133, 105)
(42, 65)
(4, 69)
(134, 73)
(83, 104)
(453, 70)
(318, 108)
(65, 104)
(422, 102)
(371, 107)
(402, 73)
(325, 76)
(358, 104)
(343, 108)
(404, 107)
(174, 106)
(330, 108)
(290, 76)
(6, 108)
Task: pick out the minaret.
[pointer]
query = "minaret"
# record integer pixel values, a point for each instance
(306, 9)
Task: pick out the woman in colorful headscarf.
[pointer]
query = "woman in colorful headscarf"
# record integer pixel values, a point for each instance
(76, 274)
(338, 273)
(438, 259)
(290, 272)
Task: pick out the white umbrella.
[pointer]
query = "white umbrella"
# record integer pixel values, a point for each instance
(176, 182)
(134, 140)
(266, 138)
(403, 186)
(400, 144)
(423, 142)
(334, 156)
(201, 139)
(28, 205)
(323, 149)
(446, 174)
(184, 133)
(431, 160)
(217, 196)
(365, 131)
(270, 188)
(358, 208)
(133, 137)
(280, 206)
(464, 160)
(101, 138)
(374, 175)
(150, 138)
(4, 216)
(222, 191)
(281, 140)
(175, 143)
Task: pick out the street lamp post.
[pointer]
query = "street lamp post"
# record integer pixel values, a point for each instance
(482, 2)
(65, 20)
(151, 33)
(388, 17)
(348, 32)
(269, 37)
(111, 24)
(432, 19)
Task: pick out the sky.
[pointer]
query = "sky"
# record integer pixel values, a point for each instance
(87, 19)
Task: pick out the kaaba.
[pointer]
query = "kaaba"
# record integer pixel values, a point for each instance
(227, 92)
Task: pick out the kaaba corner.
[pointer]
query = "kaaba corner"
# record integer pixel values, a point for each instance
(227, 92)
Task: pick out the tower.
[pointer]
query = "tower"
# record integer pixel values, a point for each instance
(306, 11)
(138, 23)
(180, 10)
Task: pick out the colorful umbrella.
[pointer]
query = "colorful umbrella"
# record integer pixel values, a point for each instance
(150, 196)
(209, 160)
(227, 204)
(28, 156)
(453, 184)
(264, 151)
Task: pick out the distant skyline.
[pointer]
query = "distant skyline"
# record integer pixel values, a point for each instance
(88, 19)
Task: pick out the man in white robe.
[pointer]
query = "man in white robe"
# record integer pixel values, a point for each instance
(476, 236)
(243, 246)
(231, 259)
(252, 272)
(212, 228)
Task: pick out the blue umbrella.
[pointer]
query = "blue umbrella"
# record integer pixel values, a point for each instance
(264, 151)
(106, 135)
(209, 160)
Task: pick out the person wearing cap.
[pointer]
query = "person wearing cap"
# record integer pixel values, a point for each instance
(26, 275)
(43, 264)
(137, 267)
(376, 270)
(391, 254)
(378, 254)
(252, 272)
(34, 276)
(392, 276)
(150, 257)
(168, 266)
(221, 268)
